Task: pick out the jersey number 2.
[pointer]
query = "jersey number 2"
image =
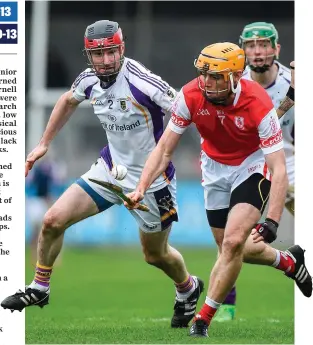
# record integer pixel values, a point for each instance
(111, 103)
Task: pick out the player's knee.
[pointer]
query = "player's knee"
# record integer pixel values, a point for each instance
(52, 226)
(233, 245)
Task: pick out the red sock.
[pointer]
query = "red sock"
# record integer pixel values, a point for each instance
(206, 313)
(285, 263)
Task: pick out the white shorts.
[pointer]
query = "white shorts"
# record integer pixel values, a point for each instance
(219, 180)
(162, 203)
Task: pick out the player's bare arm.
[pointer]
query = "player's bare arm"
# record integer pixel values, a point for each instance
(277, 165)
(158, 159)
(285, 105)
(61, 113)
(289, 101)
(155, 165)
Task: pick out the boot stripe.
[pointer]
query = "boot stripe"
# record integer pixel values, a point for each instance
(190, 306)
(302, 274)
(299, 272)
(303, 280)
(34, 297)
(24, 300)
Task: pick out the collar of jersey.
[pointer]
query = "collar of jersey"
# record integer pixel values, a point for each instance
(107, 85)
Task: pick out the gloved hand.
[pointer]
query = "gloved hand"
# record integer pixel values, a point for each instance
(266, 231)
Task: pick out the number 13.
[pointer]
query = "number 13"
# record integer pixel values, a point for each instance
(5, 11)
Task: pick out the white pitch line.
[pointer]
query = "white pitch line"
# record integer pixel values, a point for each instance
(161, 319)
(167, 319)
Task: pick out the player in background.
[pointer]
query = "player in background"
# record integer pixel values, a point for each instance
(260, 43)
(243, 165)
(130, 102)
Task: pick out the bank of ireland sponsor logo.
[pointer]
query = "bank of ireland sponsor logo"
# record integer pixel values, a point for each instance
(120, 128)
(112, 118)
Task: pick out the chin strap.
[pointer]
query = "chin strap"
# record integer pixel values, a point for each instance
(232, 84)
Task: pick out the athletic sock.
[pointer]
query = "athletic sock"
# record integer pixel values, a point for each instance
(186, 288)
(284, 262)
(208, 310)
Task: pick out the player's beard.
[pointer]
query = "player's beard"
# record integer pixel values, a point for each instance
(218, 100)
(109, 76)
(261, 69)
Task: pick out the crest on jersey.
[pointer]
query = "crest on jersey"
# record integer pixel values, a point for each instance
(170, 93)
(124, 104)
(239, 122)
(274, 125)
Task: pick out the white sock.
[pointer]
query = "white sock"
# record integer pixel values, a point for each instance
(36, 286)
(185, 295)
(212, 303)
(277, 260)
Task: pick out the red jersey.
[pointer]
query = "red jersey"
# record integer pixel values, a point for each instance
(229, 134)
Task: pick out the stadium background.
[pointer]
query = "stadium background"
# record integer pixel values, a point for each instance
(165, 37)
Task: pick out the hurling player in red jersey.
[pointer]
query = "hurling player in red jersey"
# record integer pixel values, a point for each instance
(243, 167)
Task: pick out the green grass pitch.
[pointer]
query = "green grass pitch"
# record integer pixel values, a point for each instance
(110, 295)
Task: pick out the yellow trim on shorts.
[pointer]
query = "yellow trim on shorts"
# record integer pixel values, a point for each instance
(166, 178)
(263, 201)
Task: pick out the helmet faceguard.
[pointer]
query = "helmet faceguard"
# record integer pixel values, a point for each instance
(219, 61)
(104, 47)
(254, 33)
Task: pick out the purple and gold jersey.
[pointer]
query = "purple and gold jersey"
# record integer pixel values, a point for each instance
(131, 110)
